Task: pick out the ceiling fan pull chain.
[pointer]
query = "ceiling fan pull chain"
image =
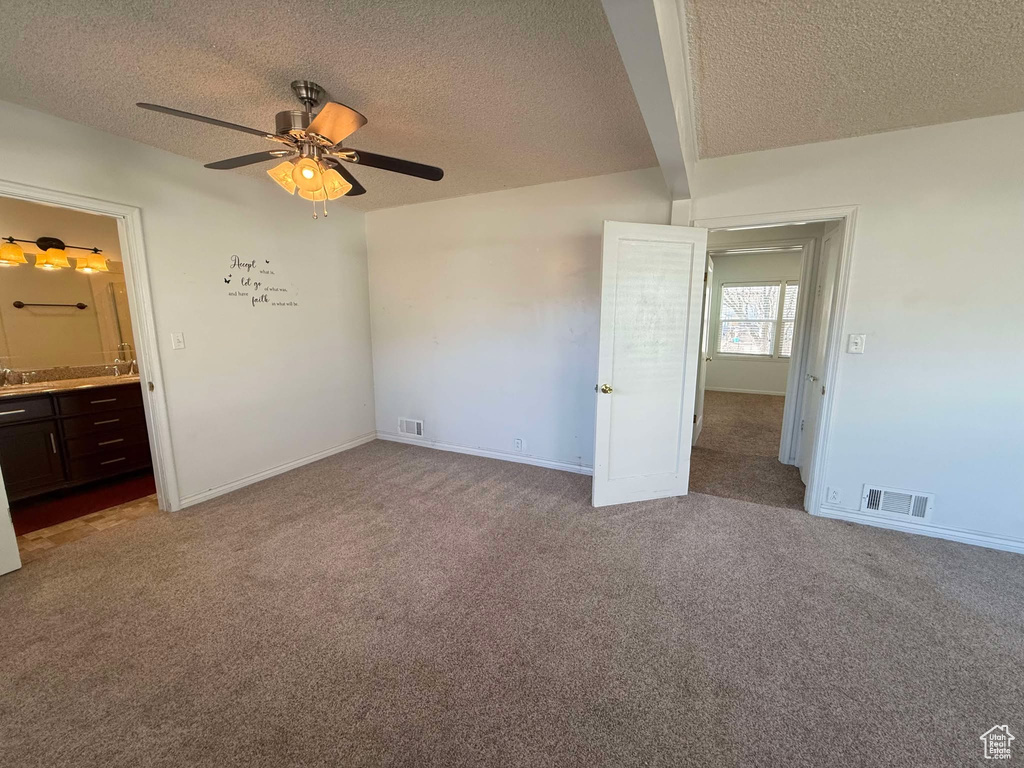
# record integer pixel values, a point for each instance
(314, 209)
(325, 207)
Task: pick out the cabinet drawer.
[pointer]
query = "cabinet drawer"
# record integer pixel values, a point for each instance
(100, 399)
(121, 437)
(109, 462)
(111, 421)
(14, 409)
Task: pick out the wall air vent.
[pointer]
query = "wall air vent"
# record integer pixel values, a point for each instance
(897, 502)
(410, 427)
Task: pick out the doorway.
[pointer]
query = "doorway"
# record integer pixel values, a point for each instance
(769, 311)
(83, 438)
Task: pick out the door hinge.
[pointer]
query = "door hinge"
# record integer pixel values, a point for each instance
(695, 418)
(801, 425)
(823, 389)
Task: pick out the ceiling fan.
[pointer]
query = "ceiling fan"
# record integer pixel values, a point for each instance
(312, 152)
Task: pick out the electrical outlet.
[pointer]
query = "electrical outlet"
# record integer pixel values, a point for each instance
(177, 340)
(519, 445)
(855, 345)
(834, 497)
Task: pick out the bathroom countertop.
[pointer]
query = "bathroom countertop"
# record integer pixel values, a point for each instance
(66, 385)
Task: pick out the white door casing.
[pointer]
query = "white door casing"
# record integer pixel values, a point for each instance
(651, 290)
(705, 349)
(824, 299)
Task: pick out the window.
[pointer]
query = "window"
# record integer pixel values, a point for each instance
(757, 319)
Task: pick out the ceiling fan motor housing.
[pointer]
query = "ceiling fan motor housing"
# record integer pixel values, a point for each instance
(292, 121)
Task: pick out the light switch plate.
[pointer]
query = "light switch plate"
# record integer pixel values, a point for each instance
(177, 340)
(855, 346)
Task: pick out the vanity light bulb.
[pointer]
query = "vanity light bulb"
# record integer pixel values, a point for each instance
(53, 258)
(94, 262)
(11, 255)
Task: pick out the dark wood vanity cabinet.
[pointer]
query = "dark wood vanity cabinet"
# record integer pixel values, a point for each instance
(65, 438)
(30, 457)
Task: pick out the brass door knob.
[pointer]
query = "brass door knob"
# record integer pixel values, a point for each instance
(606, 389)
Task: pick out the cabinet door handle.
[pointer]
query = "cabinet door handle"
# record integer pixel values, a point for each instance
(111, 461)
(111, 442)
(53, 442)
(11, 413)
(107, 400)
(105, 421)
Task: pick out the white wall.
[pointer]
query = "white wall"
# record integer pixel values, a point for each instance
(256, 387)
(750, 374)
(485, 312)
(935, 403)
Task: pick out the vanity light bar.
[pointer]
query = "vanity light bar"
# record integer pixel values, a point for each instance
(45, 243)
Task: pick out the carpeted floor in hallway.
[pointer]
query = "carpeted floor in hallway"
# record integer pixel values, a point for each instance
(399, 606)
(737, 453)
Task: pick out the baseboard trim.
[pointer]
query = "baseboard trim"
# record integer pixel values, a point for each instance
(580, 469)
(1004, 543)
(745, 391)
(220, 490)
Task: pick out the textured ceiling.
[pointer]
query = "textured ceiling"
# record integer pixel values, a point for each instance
(774, 73)
(499, 94)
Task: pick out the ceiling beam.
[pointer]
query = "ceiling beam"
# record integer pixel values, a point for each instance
(652, 40)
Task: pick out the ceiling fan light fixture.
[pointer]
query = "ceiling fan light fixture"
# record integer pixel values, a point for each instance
(53, 258)
(316, 196)
(316, 142)
(334, 185)
(308, 174)
(282, 174)
(11, 255)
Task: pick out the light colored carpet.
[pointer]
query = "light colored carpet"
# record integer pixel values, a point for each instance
(398, 606)
(737, 453)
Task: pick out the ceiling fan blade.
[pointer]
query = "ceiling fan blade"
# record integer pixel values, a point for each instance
(357, 188)
(204, 119)
(407, 167)
(336, 122)
(256, 157)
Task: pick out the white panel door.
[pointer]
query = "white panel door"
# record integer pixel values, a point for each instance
(9, 558)
(705, 350)
(824, 298)
(651, 288)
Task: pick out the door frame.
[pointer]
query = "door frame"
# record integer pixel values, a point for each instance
(809, 253)
(706, 313)
(140, 301)
(833, 348)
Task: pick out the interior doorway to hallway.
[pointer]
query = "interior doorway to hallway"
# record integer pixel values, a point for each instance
(769, 300)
